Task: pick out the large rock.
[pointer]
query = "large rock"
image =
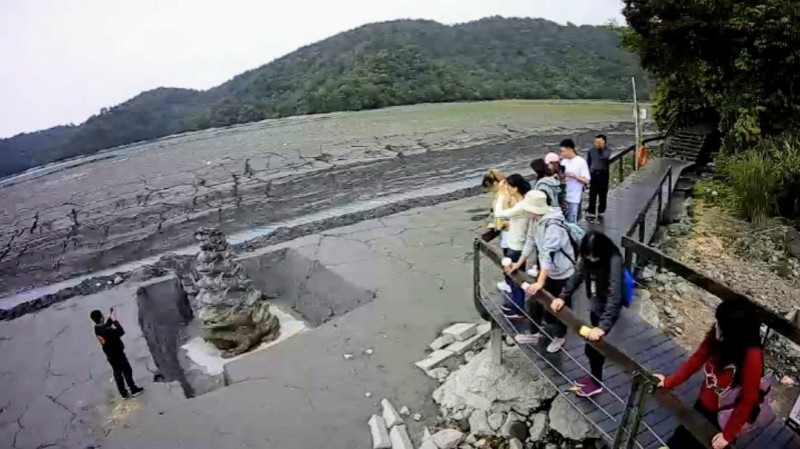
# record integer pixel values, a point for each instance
(479, 423)
(538, 429)
(235, 315)
(380, 434)
(568, 422)
(647, 309)
(484, 385)
(447, 438)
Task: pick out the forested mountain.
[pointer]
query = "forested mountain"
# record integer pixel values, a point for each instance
(373, 66)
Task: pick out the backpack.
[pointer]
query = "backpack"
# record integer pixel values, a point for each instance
(628, 287)
(575, 234)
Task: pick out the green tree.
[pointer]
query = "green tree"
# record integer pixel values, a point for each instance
(739, 58)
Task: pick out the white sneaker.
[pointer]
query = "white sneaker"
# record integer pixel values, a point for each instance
(533, 272)
(556, 345)
(503, 287)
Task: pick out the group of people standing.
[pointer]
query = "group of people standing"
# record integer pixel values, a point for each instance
(538, 233)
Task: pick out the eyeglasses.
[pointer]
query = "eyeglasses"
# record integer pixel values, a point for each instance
(712, 382)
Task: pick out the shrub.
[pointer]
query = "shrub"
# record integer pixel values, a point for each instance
(764, 181)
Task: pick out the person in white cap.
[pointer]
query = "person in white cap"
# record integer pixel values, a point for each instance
(547, 241)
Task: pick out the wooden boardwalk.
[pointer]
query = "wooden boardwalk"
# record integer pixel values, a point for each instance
(655, 351)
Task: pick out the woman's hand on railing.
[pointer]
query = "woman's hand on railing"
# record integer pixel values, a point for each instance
(557, 304)
(534, 289)
(719, 441)
(513, 267)
(660, 378)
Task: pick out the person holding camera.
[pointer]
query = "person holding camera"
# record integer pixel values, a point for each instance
(109, 333)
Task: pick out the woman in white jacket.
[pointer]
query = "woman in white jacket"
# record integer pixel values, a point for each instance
(515, 187)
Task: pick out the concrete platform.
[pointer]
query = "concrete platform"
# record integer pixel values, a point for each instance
(300, 393)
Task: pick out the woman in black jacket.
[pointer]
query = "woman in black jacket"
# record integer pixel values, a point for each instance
(601, 262)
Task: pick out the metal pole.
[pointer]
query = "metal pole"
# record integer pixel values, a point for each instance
(642, 218)
(636, 121)
(619, 438)
(637, 418)
(621, 168)
(660, 206)
(496, 343)
(476, 280)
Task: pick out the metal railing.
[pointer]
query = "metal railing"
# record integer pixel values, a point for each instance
(768, 318)
(619, 157)
(643, 384)
(640, 223)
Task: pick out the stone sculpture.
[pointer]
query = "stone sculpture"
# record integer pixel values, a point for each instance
(235, 315)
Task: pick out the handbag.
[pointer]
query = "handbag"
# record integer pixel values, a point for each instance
(762, 414)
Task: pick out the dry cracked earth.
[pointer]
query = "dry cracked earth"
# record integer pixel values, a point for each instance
(142, 200)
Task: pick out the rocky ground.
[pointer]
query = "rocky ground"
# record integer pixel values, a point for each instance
(148, 198)
(485, 405)
(754, 260)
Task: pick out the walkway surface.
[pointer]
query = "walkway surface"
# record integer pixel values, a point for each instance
(653, 350)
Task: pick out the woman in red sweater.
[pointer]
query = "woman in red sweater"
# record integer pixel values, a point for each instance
(730, 356)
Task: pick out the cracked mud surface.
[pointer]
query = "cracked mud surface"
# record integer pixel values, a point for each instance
(148, 198)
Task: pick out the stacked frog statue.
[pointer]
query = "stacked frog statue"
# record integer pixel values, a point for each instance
(235, 315)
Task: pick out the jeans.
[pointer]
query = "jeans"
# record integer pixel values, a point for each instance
(596, 359)
(122, 373)
(517, 293)
(573, 213)
(598, 187)
(683, 439)
(540, 316)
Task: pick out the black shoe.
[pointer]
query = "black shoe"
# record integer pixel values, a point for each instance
(136, 391)
(125, 395)
(590, 216)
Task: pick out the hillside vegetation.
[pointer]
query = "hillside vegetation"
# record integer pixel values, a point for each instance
(373, 66)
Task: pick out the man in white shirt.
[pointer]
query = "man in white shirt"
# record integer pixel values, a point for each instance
(576, 170)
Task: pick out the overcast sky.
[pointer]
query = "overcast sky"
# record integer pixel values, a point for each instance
(61, 60)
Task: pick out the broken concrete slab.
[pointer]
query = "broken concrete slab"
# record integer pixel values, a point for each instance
(441, 342)
(461, 331)
(481, 333)
(513, 384)
(399, 438)
(439, 374)
(511, 418)
(434, 359)
(447, 438)
(390, 414)
(380, 434)
(515, 444)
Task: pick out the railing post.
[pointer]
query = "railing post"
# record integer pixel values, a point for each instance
(496, 343)
(621, 168)
(669, 188)
(642, 219)
(660, 199)
(476, 280)
(627, 430)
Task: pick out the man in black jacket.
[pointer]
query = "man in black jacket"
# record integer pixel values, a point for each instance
(108, 332)
(598, 159)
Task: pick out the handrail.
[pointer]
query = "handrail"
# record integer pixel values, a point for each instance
(685, 415)
(656, 194)
(771, 319)
(621, 154)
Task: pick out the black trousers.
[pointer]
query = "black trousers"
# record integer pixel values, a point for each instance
(598, 187)
(596, 359)
(556, 328)
(683, 439)
(122, 373)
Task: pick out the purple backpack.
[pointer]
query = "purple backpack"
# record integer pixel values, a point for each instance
(762, 415)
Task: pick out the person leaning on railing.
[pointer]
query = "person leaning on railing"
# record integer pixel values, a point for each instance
(732, 360)
(601, 262)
